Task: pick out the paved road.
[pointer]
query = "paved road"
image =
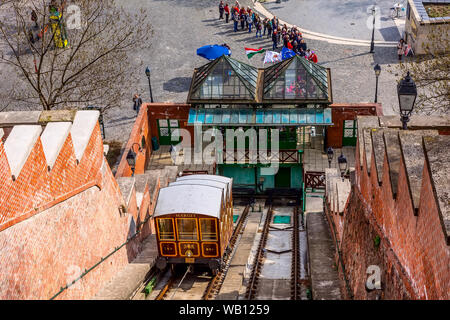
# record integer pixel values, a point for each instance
(340, 18)
(181, 26)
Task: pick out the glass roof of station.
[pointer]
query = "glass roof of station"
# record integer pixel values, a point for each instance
(296, 78)
(225, 78)
(293, 81)
(260, 117)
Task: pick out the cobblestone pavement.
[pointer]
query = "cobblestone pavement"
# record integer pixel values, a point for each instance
(341, 18)
(180, 27)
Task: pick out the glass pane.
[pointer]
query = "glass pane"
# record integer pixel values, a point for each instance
(162, 123)
(209, 116)
(293, 116)
(166, 231)
(319, 116)
(187, 229)
(192, 115)
(173, 123)
(259, 116)
(208, 229)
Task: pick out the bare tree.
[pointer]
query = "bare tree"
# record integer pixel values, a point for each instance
(431, 73)
(71, 55)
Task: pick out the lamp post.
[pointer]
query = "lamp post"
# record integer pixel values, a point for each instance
(342, 161)
(131, 157)
(407, 93)
(147, 73)
(330, 155)
(377, 70)
(372, 43)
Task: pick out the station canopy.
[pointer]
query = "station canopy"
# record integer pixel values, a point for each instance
(294, 81)
(224, 79)
(260, 117)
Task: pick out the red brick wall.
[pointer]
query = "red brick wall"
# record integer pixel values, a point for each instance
(57, 224)
(169, 111)
(341, 112)
(413, 254)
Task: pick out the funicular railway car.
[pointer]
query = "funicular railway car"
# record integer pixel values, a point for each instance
(194, 221)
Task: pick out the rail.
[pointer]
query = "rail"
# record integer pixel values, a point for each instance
(215, 284)
(295, 269)
(256, 270)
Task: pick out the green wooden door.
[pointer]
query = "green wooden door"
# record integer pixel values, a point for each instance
(283, 178)
(166, 131)
(349, 133)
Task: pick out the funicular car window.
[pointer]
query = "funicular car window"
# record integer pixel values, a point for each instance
(208, 228)
(187, 229)
(166, 230)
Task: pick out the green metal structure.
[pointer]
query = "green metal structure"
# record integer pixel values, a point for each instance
(288, 96)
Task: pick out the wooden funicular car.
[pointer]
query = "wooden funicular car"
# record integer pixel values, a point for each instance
(194, 221)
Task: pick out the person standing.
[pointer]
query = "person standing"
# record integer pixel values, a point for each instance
(235, 20)
(221, 9)
(249, 22)
(137, 103)
(258, 27)
(274, 40)
(227, 12)
(269, 28)
(400, 49)
(242, 18)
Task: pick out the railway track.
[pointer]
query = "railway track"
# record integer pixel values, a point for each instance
(256, 270)
(297, 276)
(295, 269)
(214, 285)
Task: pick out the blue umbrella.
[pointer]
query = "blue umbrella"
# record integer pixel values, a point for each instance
(212, 52)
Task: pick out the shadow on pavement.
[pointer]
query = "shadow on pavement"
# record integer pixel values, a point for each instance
(179, 84)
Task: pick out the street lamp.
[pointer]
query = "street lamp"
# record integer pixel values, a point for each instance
(131, 157)
(147, 72)
(372, 43)
(407, 93)
(377, 70)
(342, 161)
(330, 155)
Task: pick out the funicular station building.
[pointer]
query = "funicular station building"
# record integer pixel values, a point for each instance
(292, 96)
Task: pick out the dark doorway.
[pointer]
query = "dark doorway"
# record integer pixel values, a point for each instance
(283, 178)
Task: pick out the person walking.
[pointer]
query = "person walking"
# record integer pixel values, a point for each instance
(265, 26)
(137, 103)
(227, 12)
(221, 9)
(400, 49)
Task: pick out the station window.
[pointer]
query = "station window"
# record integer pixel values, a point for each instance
(187, 229)
(208, 227)
(165, 228)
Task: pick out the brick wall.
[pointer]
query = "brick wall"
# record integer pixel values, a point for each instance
(345, 111)
(413, 252)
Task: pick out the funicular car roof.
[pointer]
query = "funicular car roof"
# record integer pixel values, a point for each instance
(208, 177)
(190, 198)
(213, 183)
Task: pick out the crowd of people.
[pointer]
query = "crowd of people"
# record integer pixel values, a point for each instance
(280, 35)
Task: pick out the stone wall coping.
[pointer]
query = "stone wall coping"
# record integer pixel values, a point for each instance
(53, 139)
(439, 168)
(19, 144)
(12, 118)
(126, 185)
(81, 131)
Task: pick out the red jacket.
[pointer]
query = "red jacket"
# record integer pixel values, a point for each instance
(227, 9)
(313, 58)
(289, 45)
